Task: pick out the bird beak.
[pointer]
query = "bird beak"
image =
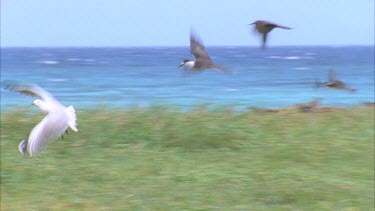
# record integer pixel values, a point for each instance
(32, 103)
(251, 23)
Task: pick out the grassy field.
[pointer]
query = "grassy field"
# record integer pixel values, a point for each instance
(164, 159)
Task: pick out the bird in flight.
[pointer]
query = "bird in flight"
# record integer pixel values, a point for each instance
(334, 83)
(264, 27)
(202, 59)
(54, 124)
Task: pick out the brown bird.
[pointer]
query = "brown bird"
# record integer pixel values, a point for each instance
(202, 59)
(264, 27)
(309, 106)
(334, 83)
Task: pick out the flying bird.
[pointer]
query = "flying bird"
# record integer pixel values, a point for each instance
(264, 27)
(54, 124)
(334, 83)
(202, 59)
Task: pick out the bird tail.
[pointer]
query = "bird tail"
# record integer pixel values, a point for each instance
(72, 118)
(220, 68)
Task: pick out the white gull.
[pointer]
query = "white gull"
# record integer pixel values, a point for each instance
(54, 125)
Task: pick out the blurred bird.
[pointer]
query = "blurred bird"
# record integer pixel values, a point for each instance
(309, 106)
(264, 27)
(334, 83)
(202, 60)
(57, 121)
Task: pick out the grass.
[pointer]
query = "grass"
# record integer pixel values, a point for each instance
(164, 159)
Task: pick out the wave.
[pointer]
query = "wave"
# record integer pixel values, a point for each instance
(301, 68)
(48, 62)
(57, 79)
(291, 57)
(273, 57)
(232, 90)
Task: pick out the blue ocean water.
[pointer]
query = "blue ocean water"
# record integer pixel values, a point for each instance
(144, 76)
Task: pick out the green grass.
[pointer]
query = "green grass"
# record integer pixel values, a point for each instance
(164, 159)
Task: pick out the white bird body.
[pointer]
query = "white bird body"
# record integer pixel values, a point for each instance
(54, 125)
(188, 65)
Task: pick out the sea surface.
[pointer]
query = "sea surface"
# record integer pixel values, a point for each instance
(148, 76)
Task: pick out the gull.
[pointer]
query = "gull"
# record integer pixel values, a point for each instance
(334, 83)
(202, 59)
(54, 124)
(264, 27)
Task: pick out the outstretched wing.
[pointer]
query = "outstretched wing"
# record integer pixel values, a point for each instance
(274, 25)
(283, 27)
(197, 48)
(32, 90)
(332, 76)
(264, 40)
(49, 129)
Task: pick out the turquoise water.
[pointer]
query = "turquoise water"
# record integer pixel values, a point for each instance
(122, 77)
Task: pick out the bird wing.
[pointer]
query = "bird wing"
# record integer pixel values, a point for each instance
(264, 40)
(274, 25)
(202, 63)
(50, 128)
(332, 76)
(32, 90)
(283, 27)
(197, 48)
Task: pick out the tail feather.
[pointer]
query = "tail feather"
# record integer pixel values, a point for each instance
(72, 118)
(220, 68)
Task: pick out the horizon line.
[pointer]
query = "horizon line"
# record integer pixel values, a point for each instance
(182, 46)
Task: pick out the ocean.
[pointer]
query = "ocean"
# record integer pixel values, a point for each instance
(149, 76)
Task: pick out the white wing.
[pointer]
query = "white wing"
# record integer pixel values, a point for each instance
(50, 128)
(30, 90)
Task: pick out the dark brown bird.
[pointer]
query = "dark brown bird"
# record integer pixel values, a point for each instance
(264, 27)
(309, 106)
(334, 83)
(202, 59)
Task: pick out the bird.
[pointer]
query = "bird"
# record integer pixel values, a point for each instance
(309, 106)
(58, 119)
(334, 83)
(264, 27)
(202, 59)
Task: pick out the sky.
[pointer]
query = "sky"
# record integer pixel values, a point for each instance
(123, 23)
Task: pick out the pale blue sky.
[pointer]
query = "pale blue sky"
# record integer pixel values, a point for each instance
(168, 22)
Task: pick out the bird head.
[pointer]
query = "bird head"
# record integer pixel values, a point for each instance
(41, 104)
(183, 62)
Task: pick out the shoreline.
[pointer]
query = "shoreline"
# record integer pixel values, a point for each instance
(202, 106)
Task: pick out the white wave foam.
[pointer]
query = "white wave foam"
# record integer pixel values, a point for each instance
(273, 57)
(90, 60)
(231, 90)
(292, 57)
(57, 79)
(301, 68)
(73, 59)
(48, 62)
